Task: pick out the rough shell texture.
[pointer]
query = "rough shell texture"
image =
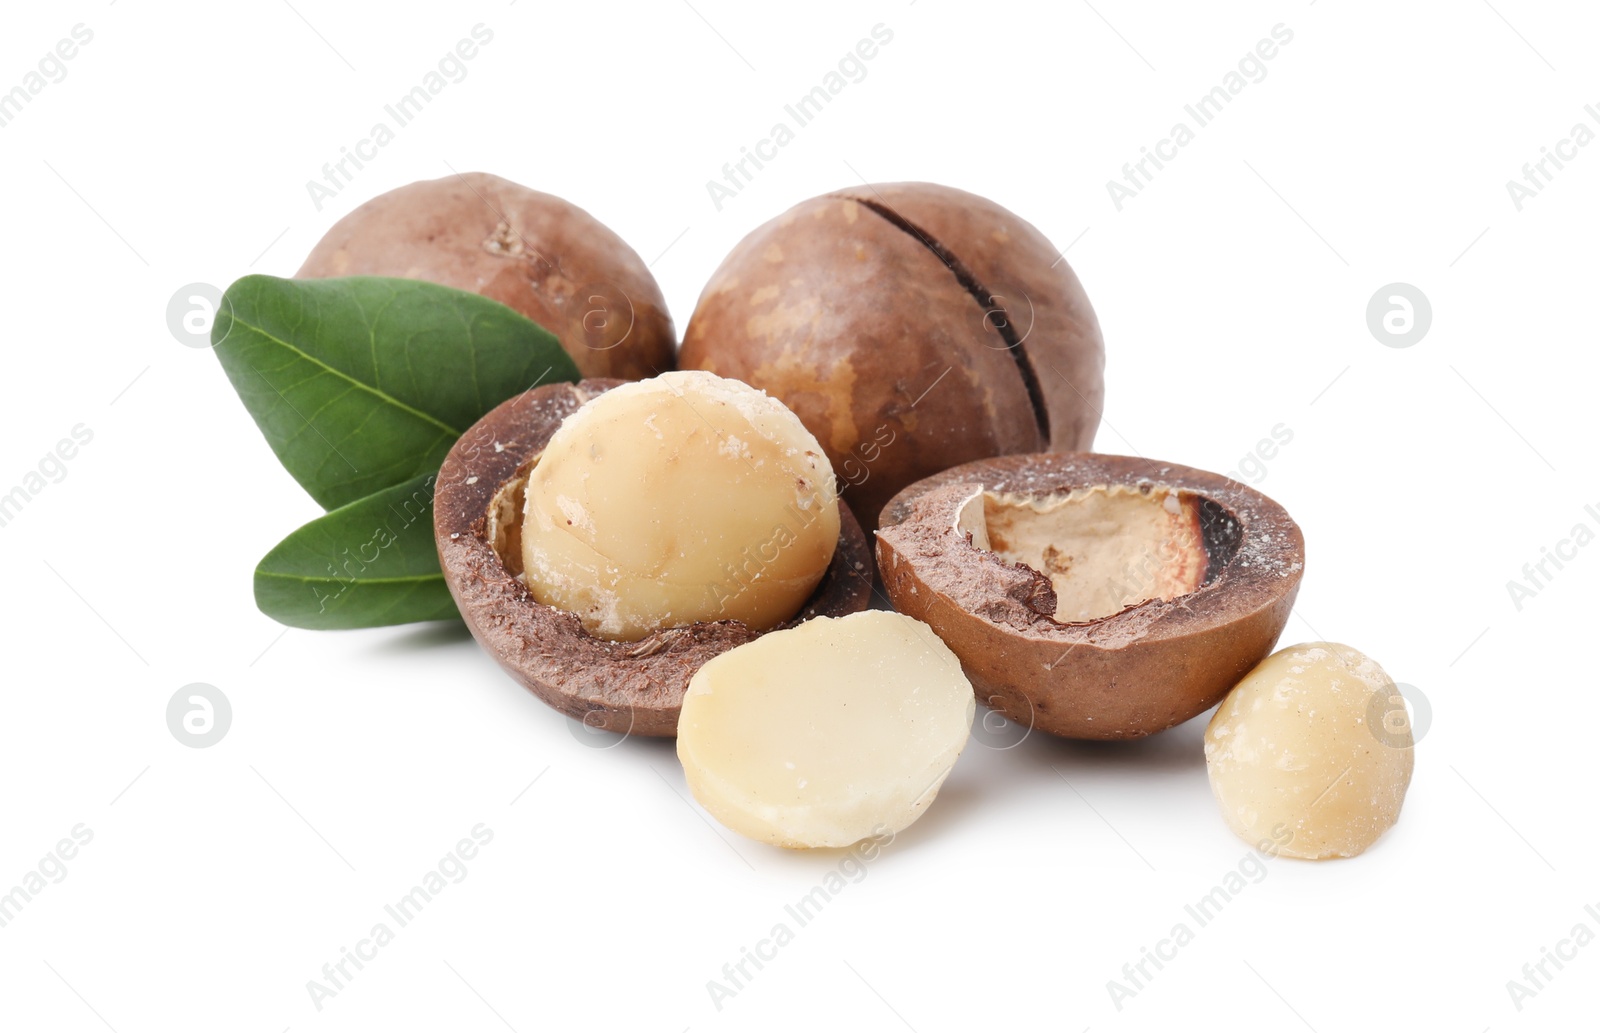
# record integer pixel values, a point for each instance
(911, 327)
(545, 257)
(625, 687)
(1124, 676)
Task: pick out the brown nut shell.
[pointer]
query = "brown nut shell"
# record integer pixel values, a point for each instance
(1125, 675)
(536, 253)
(625, 687)
(911, 327)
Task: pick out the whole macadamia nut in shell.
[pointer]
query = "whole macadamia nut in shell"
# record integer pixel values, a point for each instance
(911, 327)
(536, 253)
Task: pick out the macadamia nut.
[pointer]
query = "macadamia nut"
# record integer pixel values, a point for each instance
(544, 257)
(675, 500)
(827, 733)
(853, 307)
(1296, 759)
(1093, 596)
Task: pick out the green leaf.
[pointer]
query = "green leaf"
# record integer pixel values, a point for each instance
(364, 565)
(363, 383)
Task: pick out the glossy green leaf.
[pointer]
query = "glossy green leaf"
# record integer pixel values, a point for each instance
(363, 383)
(367, 564)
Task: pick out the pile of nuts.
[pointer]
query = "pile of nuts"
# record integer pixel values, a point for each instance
(687, 553)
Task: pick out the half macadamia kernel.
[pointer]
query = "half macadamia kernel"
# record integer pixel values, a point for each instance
(827, 733)
(626, 687)
(1091, 596)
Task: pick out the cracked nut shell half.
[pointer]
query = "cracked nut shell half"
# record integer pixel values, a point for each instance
(1093, 596)
(624, 687)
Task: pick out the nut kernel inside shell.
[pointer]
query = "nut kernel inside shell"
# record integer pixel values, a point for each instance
(503, 521)
(627, 688)
(827, 733)
(1129, 674)
(1104, 548)
(677, 500)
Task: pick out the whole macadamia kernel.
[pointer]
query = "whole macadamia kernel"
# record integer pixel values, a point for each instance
(677, 500)
(827, 733)
(1295, 761)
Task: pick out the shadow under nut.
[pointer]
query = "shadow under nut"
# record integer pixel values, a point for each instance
(1126, 675)
(624, 687)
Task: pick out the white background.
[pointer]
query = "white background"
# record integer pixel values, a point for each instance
(1232, 292)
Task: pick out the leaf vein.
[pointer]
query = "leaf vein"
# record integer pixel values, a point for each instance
(380, 394)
